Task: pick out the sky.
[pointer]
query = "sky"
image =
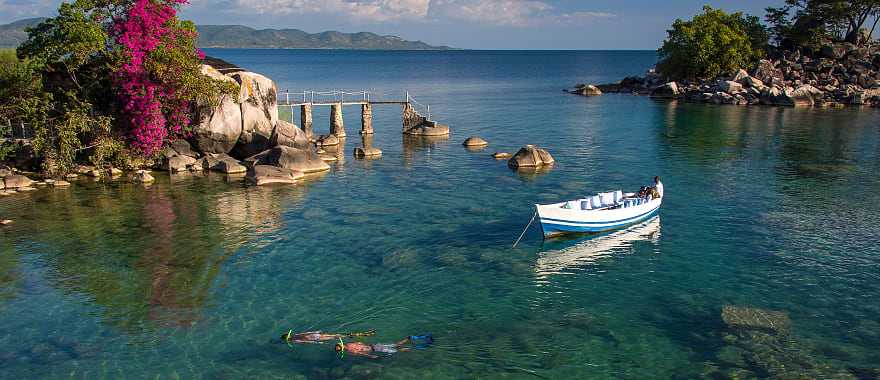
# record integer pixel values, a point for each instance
(468, 24)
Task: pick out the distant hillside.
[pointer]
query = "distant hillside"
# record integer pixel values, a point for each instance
(12, 35)
(237, 36)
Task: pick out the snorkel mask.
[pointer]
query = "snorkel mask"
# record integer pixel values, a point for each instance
(340, 348)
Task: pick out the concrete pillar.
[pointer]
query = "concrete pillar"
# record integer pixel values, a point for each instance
(411, 118)
(336, 125)
(305, 116)
(367, 119)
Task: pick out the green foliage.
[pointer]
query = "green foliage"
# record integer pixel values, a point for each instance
(809, 23)
(61, 84)
(710, 44)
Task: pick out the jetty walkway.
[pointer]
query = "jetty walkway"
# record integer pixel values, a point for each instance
(416, 116)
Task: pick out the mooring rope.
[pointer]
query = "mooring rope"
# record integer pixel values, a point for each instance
(526, 229)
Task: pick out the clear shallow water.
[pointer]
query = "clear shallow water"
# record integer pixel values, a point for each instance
(197, 276)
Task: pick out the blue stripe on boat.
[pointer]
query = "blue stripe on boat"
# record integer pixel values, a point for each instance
(600, 223)
(585, 227)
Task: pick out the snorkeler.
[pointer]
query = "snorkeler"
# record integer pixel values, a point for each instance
(370, 350)
(317, 337)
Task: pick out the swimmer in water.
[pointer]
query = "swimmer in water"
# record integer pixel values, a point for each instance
(318, 337)
(371, 350)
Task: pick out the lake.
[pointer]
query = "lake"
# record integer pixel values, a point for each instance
(770, 216)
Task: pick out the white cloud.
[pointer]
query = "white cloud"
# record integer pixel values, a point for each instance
(359, 10)
(518, 13)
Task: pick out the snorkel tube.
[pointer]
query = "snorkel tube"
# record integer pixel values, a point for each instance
(289, 338)
(340, 347)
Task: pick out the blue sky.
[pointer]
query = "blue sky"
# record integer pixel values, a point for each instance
(473, 24)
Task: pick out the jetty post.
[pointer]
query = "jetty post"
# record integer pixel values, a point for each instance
(336, 124)
(305, 118)
(366, 119)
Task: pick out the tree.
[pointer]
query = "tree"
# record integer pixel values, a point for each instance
(710, 44)
(117, 78)
(806, 22)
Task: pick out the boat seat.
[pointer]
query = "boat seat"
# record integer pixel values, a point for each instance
(585, 205)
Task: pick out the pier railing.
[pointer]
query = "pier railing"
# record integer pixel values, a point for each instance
(297, 98)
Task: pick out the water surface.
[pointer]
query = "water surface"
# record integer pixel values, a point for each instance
(196, 276)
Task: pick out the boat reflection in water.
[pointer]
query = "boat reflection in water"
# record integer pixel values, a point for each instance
(598, 247)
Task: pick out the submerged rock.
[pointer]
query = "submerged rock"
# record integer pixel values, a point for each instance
(501, 155)
(530, 156)
(430, 129)
(737, 317)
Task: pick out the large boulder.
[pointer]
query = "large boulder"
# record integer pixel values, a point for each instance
(259, 113)
(183, 148)
(177, 163)
(288, 134)
(16, 181)
(803, 96)
(531, 156)
(767, 72)
(752, 82)
(265, 174)
(475, 141)
(668, 90)
(730, 86)
(303, 160)
(217, 128)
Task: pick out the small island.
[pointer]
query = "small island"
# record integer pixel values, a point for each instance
(808, 56)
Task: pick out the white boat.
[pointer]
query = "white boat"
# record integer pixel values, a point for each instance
(598, 213)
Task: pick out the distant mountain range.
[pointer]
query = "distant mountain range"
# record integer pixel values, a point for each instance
(237, 36)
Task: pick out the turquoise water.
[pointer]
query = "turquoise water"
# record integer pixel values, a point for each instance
(196, 276)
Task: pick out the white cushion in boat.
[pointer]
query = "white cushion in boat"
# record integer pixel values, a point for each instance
(618, 196)
(595, 201)
(585, 205)
(607, 199)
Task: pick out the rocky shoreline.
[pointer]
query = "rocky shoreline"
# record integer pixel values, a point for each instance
(836, 75)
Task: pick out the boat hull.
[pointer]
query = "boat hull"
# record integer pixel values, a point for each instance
(556, 220)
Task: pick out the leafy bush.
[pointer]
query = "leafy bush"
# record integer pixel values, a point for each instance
(710, 44)
(117, 78)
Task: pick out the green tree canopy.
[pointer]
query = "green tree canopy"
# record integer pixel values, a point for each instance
(712, 43)
(810, 22)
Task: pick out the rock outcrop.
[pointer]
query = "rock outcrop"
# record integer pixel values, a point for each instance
(838, 74)
(219, 127)
(530, 156)
(259, 113)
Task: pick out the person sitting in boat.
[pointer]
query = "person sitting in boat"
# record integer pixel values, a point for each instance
(371, 350)
(658, 187)
(317, 337)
